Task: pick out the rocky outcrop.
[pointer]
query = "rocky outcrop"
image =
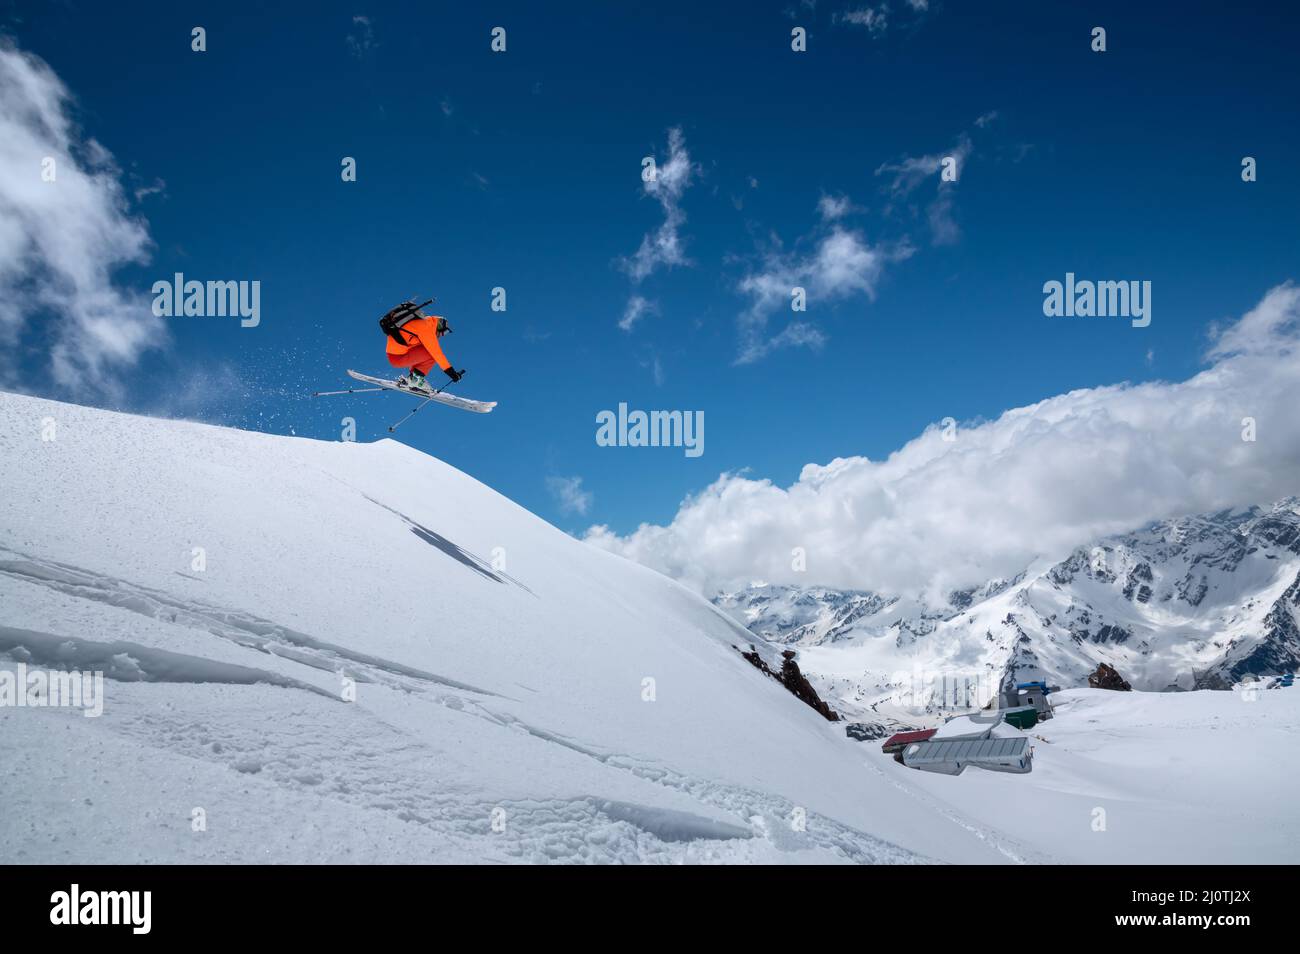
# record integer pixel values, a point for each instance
(1112, 634)
(797, 683)
(792, 679)
(1107, 678)
(1137, 587)
(869, 731)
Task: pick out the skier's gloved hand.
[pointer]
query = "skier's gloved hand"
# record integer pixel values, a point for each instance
(453, 373)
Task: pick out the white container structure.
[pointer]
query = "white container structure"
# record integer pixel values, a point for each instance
(951, 756)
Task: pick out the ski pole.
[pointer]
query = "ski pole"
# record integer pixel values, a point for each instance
(408, 416)
(420, 405)
(439, 391)
(348, 391)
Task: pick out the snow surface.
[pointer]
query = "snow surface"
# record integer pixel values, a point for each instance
(500, 709)
(511, 695)
(1174, 777)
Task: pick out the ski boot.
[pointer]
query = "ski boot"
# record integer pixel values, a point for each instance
(414, 381)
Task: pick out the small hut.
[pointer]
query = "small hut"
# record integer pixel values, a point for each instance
(1034, 694)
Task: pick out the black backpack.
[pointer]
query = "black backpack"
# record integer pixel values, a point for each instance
(392, 322)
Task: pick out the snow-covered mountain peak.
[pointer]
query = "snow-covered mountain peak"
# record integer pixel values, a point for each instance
(1202, 600)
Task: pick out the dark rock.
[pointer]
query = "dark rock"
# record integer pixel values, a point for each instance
(1107, 678)
(758, 662)
(792, 679)
(797, 683)
(867, 731)
(1112, 634)
(1136, 588)
(1213, 680)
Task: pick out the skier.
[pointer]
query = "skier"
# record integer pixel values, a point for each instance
(413, 344)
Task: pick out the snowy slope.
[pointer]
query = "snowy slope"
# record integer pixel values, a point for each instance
(1204, 601)
(1141, 777)
(500, 673)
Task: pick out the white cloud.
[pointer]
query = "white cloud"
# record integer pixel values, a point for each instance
(841, 264)
(1036, 481)
(797, 334)
(1273, 323)
(361, 38)
(656, 369)
(61, 241)
(637, 308)
(663, 247)
(158, 187)
(832, 207)
(875, 19)
(939, 213)
(569, 495)
(911, 172)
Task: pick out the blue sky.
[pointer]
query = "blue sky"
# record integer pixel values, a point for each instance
(522, 170)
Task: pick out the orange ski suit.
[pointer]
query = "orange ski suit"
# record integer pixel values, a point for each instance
(423, 351)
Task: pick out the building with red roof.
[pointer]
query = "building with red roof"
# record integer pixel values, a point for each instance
(898, 740)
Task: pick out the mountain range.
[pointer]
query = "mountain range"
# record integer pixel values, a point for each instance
(1201, 602)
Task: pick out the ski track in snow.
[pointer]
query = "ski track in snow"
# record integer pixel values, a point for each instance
(238, 627)
(1012, 850)
(380, 773)
(130, 662)
(375, 768)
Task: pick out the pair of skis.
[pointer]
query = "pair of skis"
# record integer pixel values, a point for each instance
(383, 384)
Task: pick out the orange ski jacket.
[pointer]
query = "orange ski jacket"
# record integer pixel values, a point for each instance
(421, 331)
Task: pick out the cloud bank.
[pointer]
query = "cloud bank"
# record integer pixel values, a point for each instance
(64, 228)
(1039, 480)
